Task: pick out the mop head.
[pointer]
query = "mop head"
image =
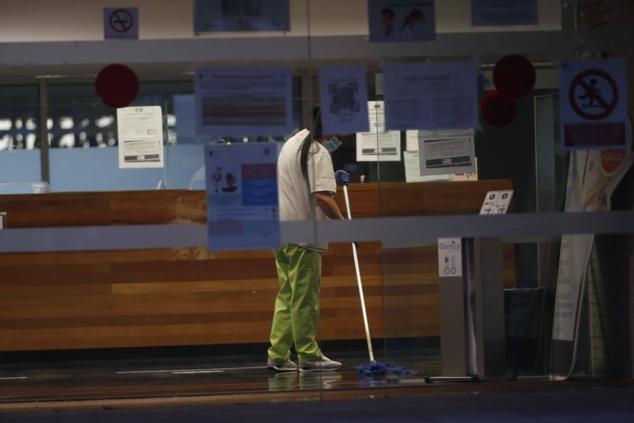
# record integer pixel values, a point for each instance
(379, 369)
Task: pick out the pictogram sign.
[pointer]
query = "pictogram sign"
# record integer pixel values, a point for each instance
(121, 23)
(593, 104)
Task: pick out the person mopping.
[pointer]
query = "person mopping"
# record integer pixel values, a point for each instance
(307, 185)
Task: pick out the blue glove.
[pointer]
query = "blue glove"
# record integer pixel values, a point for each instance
(342, 177)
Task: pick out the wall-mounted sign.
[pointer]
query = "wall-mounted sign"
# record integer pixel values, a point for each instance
(121, 23)
(594, 104)
(243, 101)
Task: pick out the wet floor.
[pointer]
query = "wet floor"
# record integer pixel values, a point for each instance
(115, 378)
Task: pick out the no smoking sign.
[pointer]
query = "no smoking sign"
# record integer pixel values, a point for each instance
(593, 105)
(121, 23)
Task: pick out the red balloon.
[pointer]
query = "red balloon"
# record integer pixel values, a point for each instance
(514, 76)
(498, 109)
(117, 85)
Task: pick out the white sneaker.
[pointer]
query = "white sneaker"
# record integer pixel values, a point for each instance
(282, 365)
(323, 364)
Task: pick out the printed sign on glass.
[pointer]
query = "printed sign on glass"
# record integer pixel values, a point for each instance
(140, 134)
(378, 144)
(593, 97)
(242, 200)
(343, 99)
(243, 101)
(431, 95)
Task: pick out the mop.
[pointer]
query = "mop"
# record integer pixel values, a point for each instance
(374, 367)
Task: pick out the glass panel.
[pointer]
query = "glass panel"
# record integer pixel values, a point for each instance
(484, 306)
(19, 140)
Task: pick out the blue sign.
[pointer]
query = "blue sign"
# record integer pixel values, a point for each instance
(121, 23)
(594, 104)
(503, 12)
(242, 199)
(244, 101)
(343, 92)
(397, 20)
(431, 95)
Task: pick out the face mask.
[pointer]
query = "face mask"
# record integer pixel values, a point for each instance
(332, 144)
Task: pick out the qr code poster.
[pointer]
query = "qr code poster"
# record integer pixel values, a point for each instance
(343, 99)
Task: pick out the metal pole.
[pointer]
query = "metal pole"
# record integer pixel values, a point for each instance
(359, 284)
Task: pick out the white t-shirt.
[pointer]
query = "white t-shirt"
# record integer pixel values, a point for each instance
(294, 199)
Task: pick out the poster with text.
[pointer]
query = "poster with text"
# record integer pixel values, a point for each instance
(241, 15)
(140, 136)
(378, 144)
(242, 199)
(401, 20)
(431, 95)
(446, 152)
(243, 101)
(343, 99)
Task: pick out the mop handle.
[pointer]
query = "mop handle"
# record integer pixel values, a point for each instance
(359, 284)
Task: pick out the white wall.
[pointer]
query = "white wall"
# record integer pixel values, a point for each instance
(82, 20)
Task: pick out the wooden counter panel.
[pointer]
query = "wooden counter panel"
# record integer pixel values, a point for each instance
(134, 298)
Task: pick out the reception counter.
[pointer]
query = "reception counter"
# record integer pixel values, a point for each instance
(168, 297)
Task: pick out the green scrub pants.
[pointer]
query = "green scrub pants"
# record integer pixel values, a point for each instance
(296, 315)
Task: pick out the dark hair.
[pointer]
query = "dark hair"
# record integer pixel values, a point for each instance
(308, 142)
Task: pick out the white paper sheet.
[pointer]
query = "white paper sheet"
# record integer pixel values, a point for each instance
(411, 140)
(449, 257)
(443, 152)
(378, 145)
(140, 135)
(412, 169)
(496, 202)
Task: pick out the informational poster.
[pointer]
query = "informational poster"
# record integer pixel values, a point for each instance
(431, 95)
(140, 135)
(243, 101)
(241, 15)
(496, 202)
(378, 144)
(446, 152)
(503, 12)
(449, 257)
(343, 98)
(242, 199)
(399, 20)
(121, 23)
(592, 178)
(411, 162)
(594, 107)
